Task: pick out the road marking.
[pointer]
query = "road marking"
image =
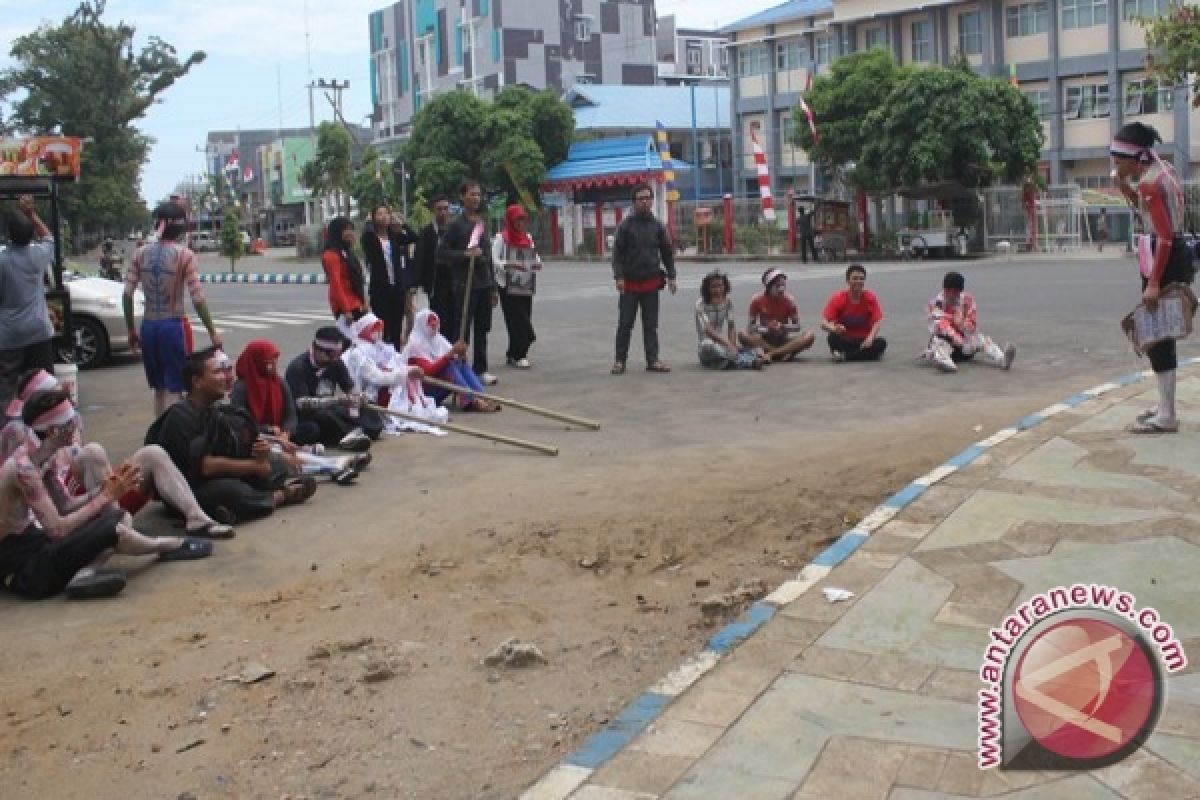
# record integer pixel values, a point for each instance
(196, 323)
(268, 317)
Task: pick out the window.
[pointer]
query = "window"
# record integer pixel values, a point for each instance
(583, 29)
(1040, 99)
(1026, 19)
(970, 33)
(1147, 97)
(1087, 102)
(1145, 9)
(792, 54)
(1084, 13)
(922, 41)
(752, 60)
(824, 50)
(1094, 181)
(875, 37)
(695, 56)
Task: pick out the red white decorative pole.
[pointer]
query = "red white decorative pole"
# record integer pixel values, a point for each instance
(764, 179)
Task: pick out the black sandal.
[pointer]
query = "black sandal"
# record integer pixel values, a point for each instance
(191, 549)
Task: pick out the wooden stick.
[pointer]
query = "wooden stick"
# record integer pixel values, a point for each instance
(462, 325)
(547, 449)
(545, 412)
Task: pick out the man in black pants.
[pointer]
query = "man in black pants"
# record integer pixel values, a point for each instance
(325, 416)
(232, 471)
(433, 272)
(641, 245)
(804, 232)
(461, 248)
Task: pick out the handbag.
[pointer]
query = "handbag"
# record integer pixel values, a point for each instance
(1170, 319)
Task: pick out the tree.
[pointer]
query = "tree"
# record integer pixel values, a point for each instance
(84, 78)
(373, 183)
(231, 238)
(1174, 41)
(943, 125)
(507, 144)
(328, 174)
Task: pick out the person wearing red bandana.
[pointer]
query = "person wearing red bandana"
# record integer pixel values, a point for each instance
(517, 264)
(1153, 190)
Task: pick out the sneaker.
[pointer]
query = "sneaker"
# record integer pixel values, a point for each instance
(313, 449)
(1010, 353)
(355, 441)
(522, 363)
(489, 379)
(838, 356)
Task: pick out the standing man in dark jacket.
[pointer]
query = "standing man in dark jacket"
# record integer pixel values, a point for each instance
(386, 252)
(804, 229)
(642, 244)
(433, 272)
(461, 248)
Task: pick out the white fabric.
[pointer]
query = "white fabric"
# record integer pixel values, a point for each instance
(1166, 399)
(422, 343)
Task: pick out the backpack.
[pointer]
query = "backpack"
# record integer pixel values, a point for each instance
(228, 432)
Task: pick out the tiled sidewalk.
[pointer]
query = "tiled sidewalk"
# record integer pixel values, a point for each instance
(876, 697)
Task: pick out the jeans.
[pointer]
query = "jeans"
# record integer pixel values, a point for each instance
(628, 304)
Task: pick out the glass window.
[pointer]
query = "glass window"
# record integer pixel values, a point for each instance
(1094, 181)
(922, 41)
(792, 54)
(1084, 13)
(583, 29)
(695, 56)
(875, 37)
(752, 60)
(1088, 101)
(1144, 9)
(824, 50)
(1147, 97)
(1026, 19)
(970, 33)
(1040, 99)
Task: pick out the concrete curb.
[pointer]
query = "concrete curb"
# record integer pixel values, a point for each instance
(561, 781)
(263, 277)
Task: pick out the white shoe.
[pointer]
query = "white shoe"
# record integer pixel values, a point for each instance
(489, 379)
(938, 354)
(522, 363)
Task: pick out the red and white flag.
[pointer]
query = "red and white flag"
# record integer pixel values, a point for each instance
(764, 179)
(808, 112)
(476, 235)
(248, 174)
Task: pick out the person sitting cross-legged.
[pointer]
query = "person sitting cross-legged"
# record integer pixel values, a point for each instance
(774, 325)
(954, 335)
(330, 411)
(852, 318)
(230, 467)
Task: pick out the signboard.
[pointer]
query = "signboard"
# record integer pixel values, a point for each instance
(41, 157)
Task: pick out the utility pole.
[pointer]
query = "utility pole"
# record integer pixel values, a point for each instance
(337, 87)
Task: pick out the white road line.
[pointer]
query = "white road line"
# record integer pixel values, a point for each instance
(231, 324)
(301, 314)
(269, 317)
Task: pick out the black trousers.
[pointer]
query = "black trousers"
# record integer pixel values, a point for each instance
(16, 360)
(388, 305)
(330, 426)
(35, 566)
(628, 304)
(808, 244)
(479, 324)
(518, 319)
(441, 302)
(853, 350)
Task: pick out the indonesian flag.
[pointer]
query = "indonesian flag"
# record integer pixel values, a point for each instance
(808, 112)
(248, 174)
(233, 164)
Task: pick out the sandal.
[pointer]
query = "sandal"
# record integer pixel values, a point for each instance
(657, 366)
(297, 490)
(191, 549)
(1150, 426)
(212, 530)
(99, 584)
(344, 477)
(618, 368)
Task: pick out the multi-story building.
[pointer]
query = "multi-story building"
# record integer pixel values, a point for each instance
(690, 55)
(1082, 62)
(422, 47)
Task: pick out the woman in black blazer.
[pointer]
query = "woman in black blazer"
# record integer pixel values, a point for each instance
(386, 253)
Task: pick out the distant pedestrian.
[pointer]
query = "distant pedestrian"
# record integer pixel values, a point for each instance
(643, 262)
(517, 264)
(26, 331)
(805, 234)
(1101, 230)
(164, 268)
(466, 248)
(433, 273)
(852, 318)
(347, 284)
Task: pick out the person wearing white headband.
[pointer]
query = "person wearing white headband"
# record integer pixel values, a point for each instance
(774, 320)
(57, 551)
(1153, 190)
(327, 403)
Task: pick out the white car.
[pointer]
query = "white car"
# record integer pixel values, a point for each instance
(97, 319)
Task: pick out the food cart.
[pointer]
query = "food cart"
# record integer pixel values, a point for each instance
(831, 225)
(36, 165)
(932, 233)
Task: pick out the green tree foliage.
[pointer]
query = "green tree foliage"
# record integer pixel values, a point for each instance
(328, 173)
(231, 238)
(373, 183)
(507, 144)
(1174, 41)
(84, 78)
(949, 125)
(856, 85)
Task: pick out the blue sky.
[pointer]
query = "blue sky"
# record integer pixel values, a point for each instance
(258, 64)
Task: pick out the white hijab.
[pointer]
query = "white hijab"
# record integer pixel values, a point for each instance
(424, 343)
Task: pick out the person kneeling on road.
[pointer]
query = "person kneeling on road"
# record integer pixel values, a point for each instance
(44, 550)
(231, 469)
(326, 417)
(774, 325)
(852, 317)
(953, 335)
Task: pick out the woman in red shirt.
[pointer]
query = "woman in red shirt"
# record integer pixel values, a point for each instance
(347, 285)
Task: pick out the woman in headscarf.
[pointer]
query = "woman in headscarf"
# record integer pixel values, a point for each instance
(268, 400)
(430, 351)
(517, 262)
(381, 375)
(1153, 189)
(347, 285)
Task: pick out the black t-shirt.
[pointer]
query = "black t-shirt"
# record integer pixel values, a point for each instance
(303, 380)
(175, 431)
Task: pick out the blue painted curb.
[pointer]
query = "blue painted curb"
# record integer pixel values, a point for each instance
(639, 714)
(263, 277)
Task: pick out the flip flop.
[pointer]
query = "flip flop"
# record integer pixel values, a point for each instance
(360, 461)
(618, 368)
(190, 550)
(297, 490)
(98, 584)
(1148, 414)
(212, 530)
(1150, 426)
(344, 477)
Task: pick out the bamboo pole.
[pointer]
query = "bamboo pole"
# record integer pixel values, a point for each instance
(462, 325)
(546, 449)
(545, 412)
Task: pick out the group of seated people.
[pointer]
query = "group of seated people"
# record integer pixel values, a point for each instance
(851, 319)
(212, 463)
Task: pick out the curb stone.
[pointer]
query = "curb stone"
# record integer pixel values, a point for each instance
(561, 781)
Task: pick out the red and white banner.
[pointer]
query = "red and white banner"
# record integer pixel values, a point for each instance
(808, 112)
(764, 179)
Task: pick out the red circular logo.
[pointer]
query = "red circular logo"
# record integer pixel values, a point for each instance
(1084, 689)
